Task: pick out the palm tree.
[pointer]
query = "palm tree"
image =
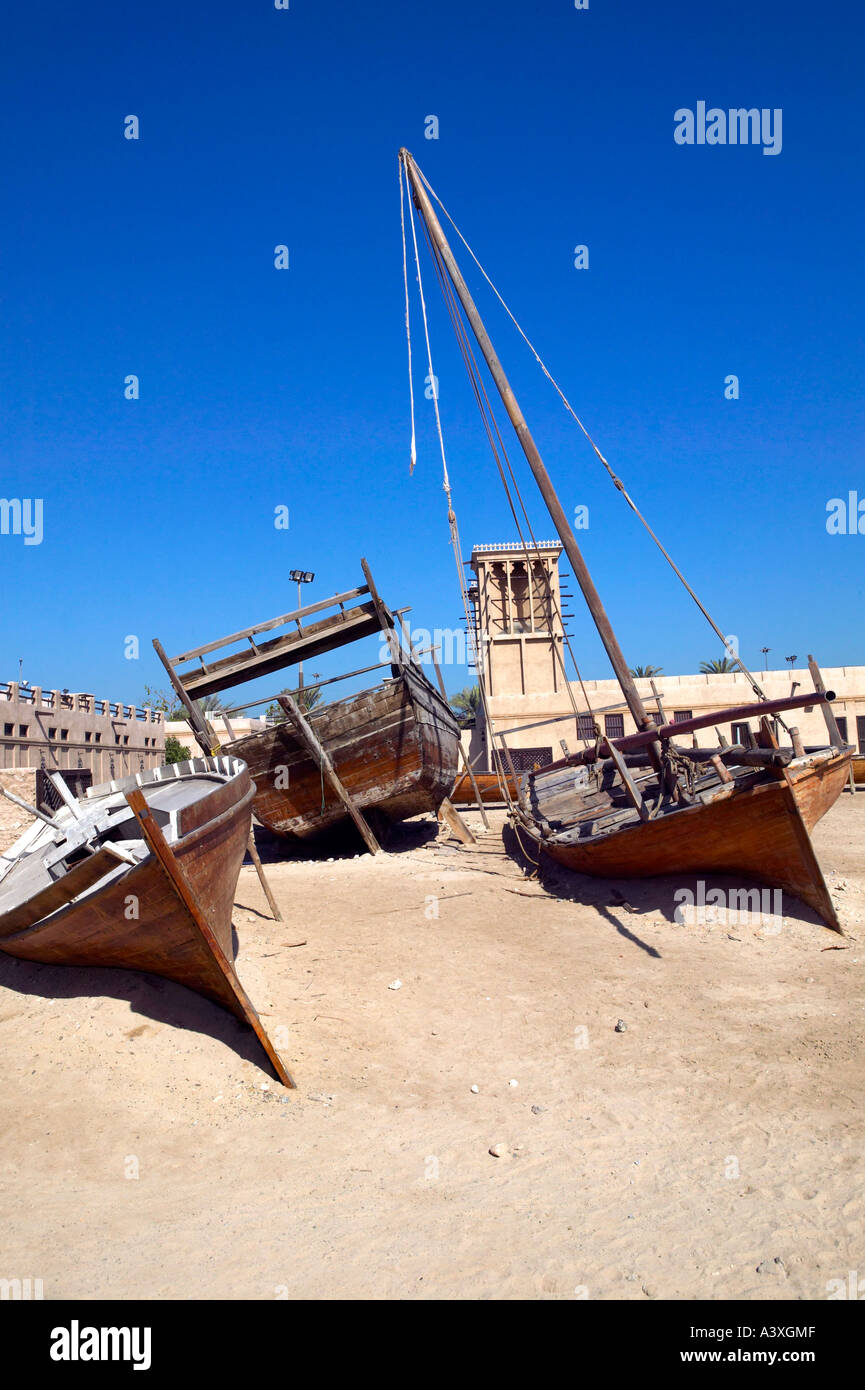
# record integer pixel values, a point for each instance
(465, 704)
(719, 667)
(307, 699)
(646, 672)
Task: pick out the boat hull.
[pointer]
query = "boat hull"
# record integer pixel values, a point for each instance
(394, 748)
(135, 918)
(859, 770)
(489, 784)
(759, 831)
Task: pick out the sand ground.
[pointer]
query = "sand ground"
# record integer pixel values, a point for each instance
(146, 1152)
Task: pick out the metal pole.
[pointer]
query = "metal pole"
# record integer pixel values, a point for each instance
(638, 710)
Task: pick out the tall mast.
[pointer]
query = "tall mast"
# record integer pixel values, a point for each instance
(593, 599)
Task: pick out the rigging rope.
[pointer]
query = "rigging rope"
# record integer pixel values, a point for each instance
(617, 482)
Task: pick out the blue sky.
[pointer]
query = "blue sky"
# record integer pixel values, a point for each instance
(261, 388)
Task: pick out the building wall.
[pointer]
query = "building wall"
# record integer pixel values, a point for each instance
(56, 730)
(14, 821)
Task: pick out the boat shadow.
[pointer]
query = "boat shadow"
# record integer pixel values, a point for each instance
(614, 898)
(344, 841)
(150, 997)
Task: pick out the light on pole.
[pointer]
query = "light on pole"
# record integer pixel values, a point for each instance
(765, 651)
(301, 577)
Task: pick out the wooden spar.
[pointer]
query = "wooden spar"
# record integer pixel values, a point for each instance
(259, 869)
(295, 714)
(633, 792)
(829, 716)
(383, 614)
(165, 856)
(207, 740)
(466, 764)
(557, 513)
(32, 810)
(631, 742)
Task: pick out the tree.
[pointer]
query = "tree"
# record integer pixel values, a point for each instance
(175, 751)
(162, 700)
(718, 667)
(465, 704)
(646, 672)
(307, 698)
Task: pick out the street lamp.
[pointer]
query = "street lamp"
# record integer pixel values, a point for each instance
(301, 577)
(765, 651)
(792, 660)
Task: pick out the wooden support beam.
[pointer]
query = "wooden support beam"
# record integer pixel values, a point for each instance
(166, 857)
(467, 765)
(206, 736)
(448, 813)
(259, 869)
(633, 792)
(319, 753)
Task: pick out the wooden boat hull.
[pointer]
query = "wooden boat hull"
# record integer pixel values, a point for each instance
(489, 785)
(859, 770)
(394, 748)
(134, 918)
(759, 831)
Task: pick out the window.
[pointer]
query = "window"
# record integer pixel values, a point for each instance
(22, 730)
(116, 738)
(614, 725)
(64, 735)
(526, 759)
(88, 736)
(125, 739)
(97, 738)
(8, 730)
(585, 726)
(860, 732)
(841, 721)
(679, 715)
(52, 733)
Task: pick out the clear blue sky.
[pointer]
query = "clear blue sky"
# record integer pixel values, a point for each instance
(262, 387)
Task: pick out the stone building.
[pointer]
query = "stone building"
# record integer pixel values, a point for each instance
(519, 633)
(88, 740)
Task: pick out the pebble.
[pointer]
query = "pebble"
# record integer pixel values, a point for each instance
(621, 1026)
(475, 1090)
(513, 1083)
(539, 1110)
(497, 1150)
(395, 984)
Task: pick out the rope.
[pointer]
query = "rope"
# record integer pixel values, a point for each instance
(617, 482)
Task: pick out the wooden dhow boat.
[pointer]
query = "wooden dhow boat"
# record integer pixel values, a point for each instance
(643, 804)
(140, 874)
(383, 755)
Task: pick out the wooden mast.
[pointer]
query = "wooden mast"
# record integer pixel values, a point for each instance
(640, 714)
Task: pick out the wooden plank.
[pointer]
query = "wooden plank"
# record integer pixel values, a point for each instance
(632, 790)
(207, 740)
(174, 873)
(58, 894)
(385, 617)
(344, 627)
(269, 625)
(453, 820)
(295, 714)
(259, 869)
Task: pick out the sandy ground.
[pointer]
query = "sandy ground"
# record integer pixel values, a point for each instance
(146, 1152)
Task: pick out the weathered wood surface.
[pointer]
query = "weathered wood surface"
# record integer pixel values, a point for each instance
(166, 938)
(349, 625)
(758, 827)
(489, 784)
(394, 748)
(859, 769)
